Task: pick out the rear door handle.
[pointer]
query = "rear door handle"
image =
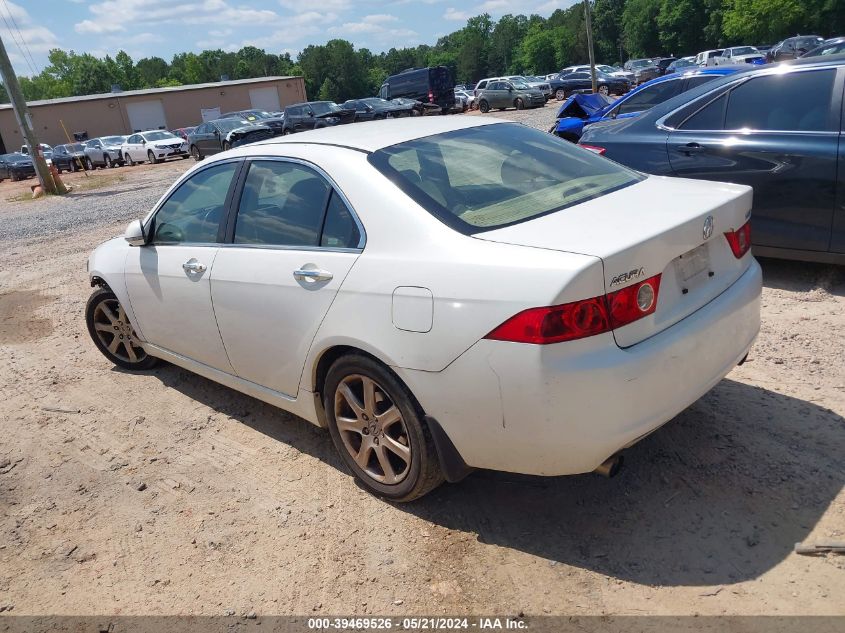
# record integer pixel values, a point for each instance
(193, 266)
(312, 275)
(691, 148)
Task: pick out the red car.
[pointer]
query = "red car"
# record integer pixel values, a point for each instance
(183, 131)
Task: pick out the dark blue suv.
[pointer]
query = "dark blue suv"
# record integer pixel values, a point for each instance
(778, 128)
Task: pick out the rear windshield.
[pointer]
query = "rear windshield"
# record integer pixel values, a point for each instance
(487, 177)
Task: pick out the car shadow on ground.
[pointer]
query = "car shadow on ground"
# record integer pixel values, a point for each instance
(717, 496)
(793, 276)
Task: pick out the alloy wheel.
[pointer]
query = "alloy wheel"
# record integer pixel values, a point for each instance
(372, 429)
(604, 90)
(115, 332)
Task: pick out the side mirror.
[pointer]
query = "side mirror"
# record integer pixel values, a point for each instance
(143, 142)
(134, 233)
(510, 88)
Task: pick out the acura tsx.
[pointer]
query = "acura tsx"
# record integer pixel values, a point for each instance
(442, 295)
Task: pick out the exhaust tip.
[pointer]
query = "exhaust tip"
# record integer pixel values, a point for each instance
(610, 467)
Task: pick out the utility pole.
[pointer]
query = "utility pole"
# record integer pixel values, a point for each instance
(590, 44)
(25, 121)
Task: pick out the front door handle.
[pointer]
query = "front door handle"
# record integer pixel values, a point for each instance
(193, 266)
(312, 275)
(691, 148)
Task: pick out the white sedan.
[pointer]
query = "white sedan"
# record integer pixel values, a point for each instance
(153, 146)
(443, 294)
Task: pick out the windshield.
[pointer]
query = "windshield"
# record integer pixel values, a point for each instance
(681, 63)
(607, 69)
(258, 114)
(743, 50)
(520, 85)
(641, 63)
(17, 158)
(227, 125)
(76, 147)
(324, 107)
(158, 136)
(491, 176)
(112, 140)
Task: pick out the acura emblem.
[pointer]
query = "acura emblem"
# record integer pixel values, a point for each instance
(708, 227)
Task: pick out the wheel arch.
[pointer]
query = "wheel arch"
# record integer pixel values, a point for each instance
(452, 464)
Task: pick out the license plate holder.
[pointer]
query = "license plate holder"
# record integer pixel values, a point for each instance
(694, 262)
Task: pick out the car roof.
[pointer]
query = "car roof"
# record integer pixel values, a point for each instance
(375, 135)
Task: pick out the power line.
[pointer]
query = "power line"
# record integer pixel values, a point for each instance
(32, 66)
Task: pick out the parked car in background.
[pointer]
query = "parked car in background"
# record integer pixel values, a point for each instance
(663, 63)
(70, 157)
(16, 166)
(832, 46)
(418, 108)
(275, 123)
(613, 71)
(105, 151)
(182, 132)
(221, 135)
(794, 47)
(154, 147)
(582, 110)
(643, 69)
(462, 87)
(679, 65)
(375, 108)
(46, 150)
(582, 81)
(517, 278)
(468, 96)
(461, 104)
(740, 55)
(433, 84)
(312, 115)
(533, 82)
(708, 58)
(509, 94)
(775, 128)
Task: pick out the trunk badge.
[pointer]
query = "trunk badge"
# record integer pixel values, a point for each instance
(708, 227)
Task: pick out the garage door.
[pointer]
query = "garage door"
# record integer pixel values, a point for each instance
(146, 115)
(265, 99)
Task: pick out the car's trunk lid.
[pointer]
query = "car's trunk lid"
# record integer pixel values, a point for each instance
(653, 227)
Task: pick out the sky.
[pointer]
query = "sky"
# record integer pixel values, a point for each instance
(143, 28)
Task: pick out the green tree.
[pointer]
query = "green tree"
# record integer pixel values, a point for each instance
(607, 30)
(639, 27)
(681, 25)
(538, 50)
(151, 70)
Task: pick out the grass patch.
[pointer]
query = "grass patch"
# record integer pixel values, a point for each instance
(88, 184)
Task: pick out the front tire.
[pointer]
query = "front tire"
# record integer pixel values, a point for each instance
(152, 158)
(89, 164)
(113, 334)
(107, 162)
(226, 146)
(484, 106)
(195, 152)
(379, 431)
(604, 90)
(560, 94)
(129, 160)
(519, 104)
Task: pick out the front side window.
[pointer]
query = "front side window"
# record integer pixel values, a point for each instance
(193, 211)
(282, 204)
(492, 176)
(798, 101)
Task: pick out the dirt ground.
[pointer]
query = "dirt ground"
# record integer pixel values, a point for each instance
(166, 493)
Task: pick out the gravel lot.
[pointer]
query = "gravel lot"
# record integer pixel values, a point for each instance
(165, 493)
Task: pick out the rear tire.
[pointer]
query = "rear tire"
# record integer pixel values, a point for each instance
(383, 439)
(89, 164)
(560, 94)
(129, 159)
(604, 90)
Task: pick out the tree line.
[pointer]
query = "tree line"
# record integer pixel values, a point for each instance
(483, 47)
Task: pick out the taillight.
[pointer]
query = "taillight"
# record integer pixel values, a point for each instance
(740, 240)
(633, 302)
(580, 319)
(594, 148)
(430, 97)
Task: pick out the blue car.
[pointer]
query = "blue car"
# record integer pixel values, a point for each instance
(581, 110)
(776, 128)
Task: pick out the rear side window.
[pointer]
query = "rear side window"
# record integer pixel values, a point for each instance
(339, 229)
(281, 205)
(795, 101)
(496, 175)
(651, 96)
(710, 117)
(697, 80)
(192, 213)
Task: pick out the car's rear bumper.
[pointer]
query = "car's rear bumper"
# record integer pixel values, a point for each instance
(565, 408)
